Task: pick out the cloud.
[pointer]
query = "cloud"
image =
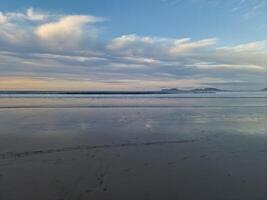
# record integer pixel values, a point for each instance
(41, 30)
(66, 50)
(3, 18)
(248, 47)
(136, 45)
(126, 40)
(67, 32)
(29, 15)
(248, 9)
(248, 54)
(13, 35)
(185, 45)
(35, 15)
(215, 66)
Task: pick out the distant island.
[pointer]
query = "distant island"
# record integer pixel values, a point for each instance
(264, 90)
(198, 90)
(162, 91)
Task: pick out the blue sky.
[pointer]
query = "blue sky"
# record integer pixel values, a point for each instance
(127, 44)
(233, 21)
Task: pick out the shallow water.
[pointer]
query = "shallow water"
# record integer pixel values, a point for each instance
(133, 147)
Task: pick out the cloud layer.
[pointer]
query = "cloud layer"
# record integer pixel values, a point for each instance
(42, 50)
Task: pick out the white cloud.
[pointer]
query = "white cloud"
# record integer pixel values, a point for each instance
(34, 15)
(30, 14)
(67, 32)
(135, 45)
(215, 66)
(33, 29)
(3, 18)
(183, 46)
(132, 39)
(248, 47)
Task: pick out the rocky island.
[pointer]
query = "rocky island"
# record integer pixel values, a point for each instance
(197, 90)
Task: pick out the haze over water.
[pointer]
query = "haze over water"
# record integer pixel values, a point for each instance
(133, 147)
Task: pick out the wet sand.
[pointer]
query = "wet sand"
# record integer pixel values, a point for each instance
(189, 149)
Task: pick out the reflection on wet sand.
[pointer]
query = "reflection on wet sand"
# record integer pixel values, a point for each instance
(214, 151)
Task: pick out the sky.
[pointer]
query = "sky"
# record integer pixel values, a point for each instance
(133, 44)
